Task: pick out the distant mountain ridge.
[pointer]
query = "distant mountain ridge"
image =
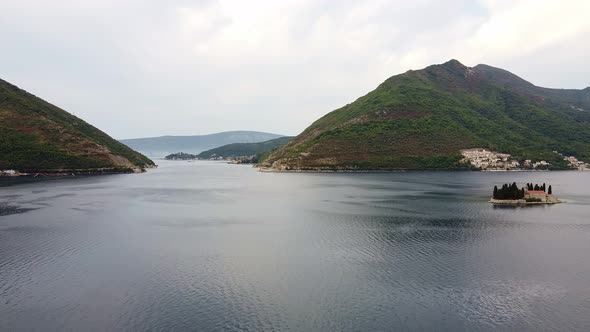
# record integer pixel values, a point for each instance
(245, 149)
(36, 136)
(164, 145)
(579, 98)
(421, 119)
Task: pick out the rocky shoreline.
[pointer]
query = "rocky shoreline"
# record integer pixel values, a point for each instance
(347, 170)
(71, 172)
(520, 202)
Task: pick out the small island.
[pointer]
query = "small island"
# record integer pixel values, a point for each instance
(533, 194)
(181, 156)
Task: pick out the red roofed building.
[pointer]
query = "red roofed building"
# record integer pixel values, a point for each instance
(536, 192)
(539, 195)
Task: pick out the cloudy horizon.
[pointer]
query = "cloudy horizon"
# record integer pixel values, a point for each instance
(150, 68)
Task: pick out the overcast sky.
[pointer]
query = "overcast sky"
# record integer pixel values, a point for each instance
(137, 68)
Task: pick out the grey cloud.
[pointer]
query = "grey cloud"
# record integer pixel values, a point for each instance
(145, 68)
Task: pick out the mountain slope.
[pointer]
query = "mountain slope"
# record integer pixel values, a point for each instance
(579, 98)
(164, 145)
(421, 119)
(37, 136)
(245, 149)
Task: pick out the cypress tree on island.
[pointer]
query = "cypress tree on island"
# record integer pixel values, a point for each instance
(509, 192)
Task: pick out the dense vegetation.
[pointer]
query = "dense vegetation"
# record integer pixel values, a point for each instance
(181, 156)
(245, 149)
(37, 136)
(508, 192)
(421, 119)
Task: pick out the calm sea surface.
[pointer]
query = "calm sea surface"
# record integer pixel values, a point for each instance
(208, 246)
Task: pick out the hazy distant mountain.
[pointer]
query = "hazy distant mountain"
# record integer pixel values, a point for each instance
(245, 149)
(36, 136)
(422, 118)
(165, 145)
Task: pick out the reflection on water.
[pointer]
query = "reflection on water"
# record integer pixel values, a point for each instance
(210, 246)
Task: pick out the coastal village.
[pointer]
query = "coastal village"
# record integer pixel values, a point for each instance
(577, 164)
(487, 160)
(484, 159)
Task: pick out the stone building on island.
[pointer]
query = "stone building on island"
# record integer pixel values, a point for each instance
(540, 196)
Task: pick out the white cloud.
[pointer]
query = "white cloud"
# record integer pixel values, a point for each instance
(139, 68)
(526, 26)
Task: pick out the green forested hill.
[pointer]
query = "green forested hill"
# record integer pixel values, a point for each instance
(37, 136)
(421, 119)
(245, 149)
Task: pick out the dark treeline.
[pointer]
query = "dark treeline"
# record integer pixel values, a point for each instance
(511, 191)
(542, 187)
